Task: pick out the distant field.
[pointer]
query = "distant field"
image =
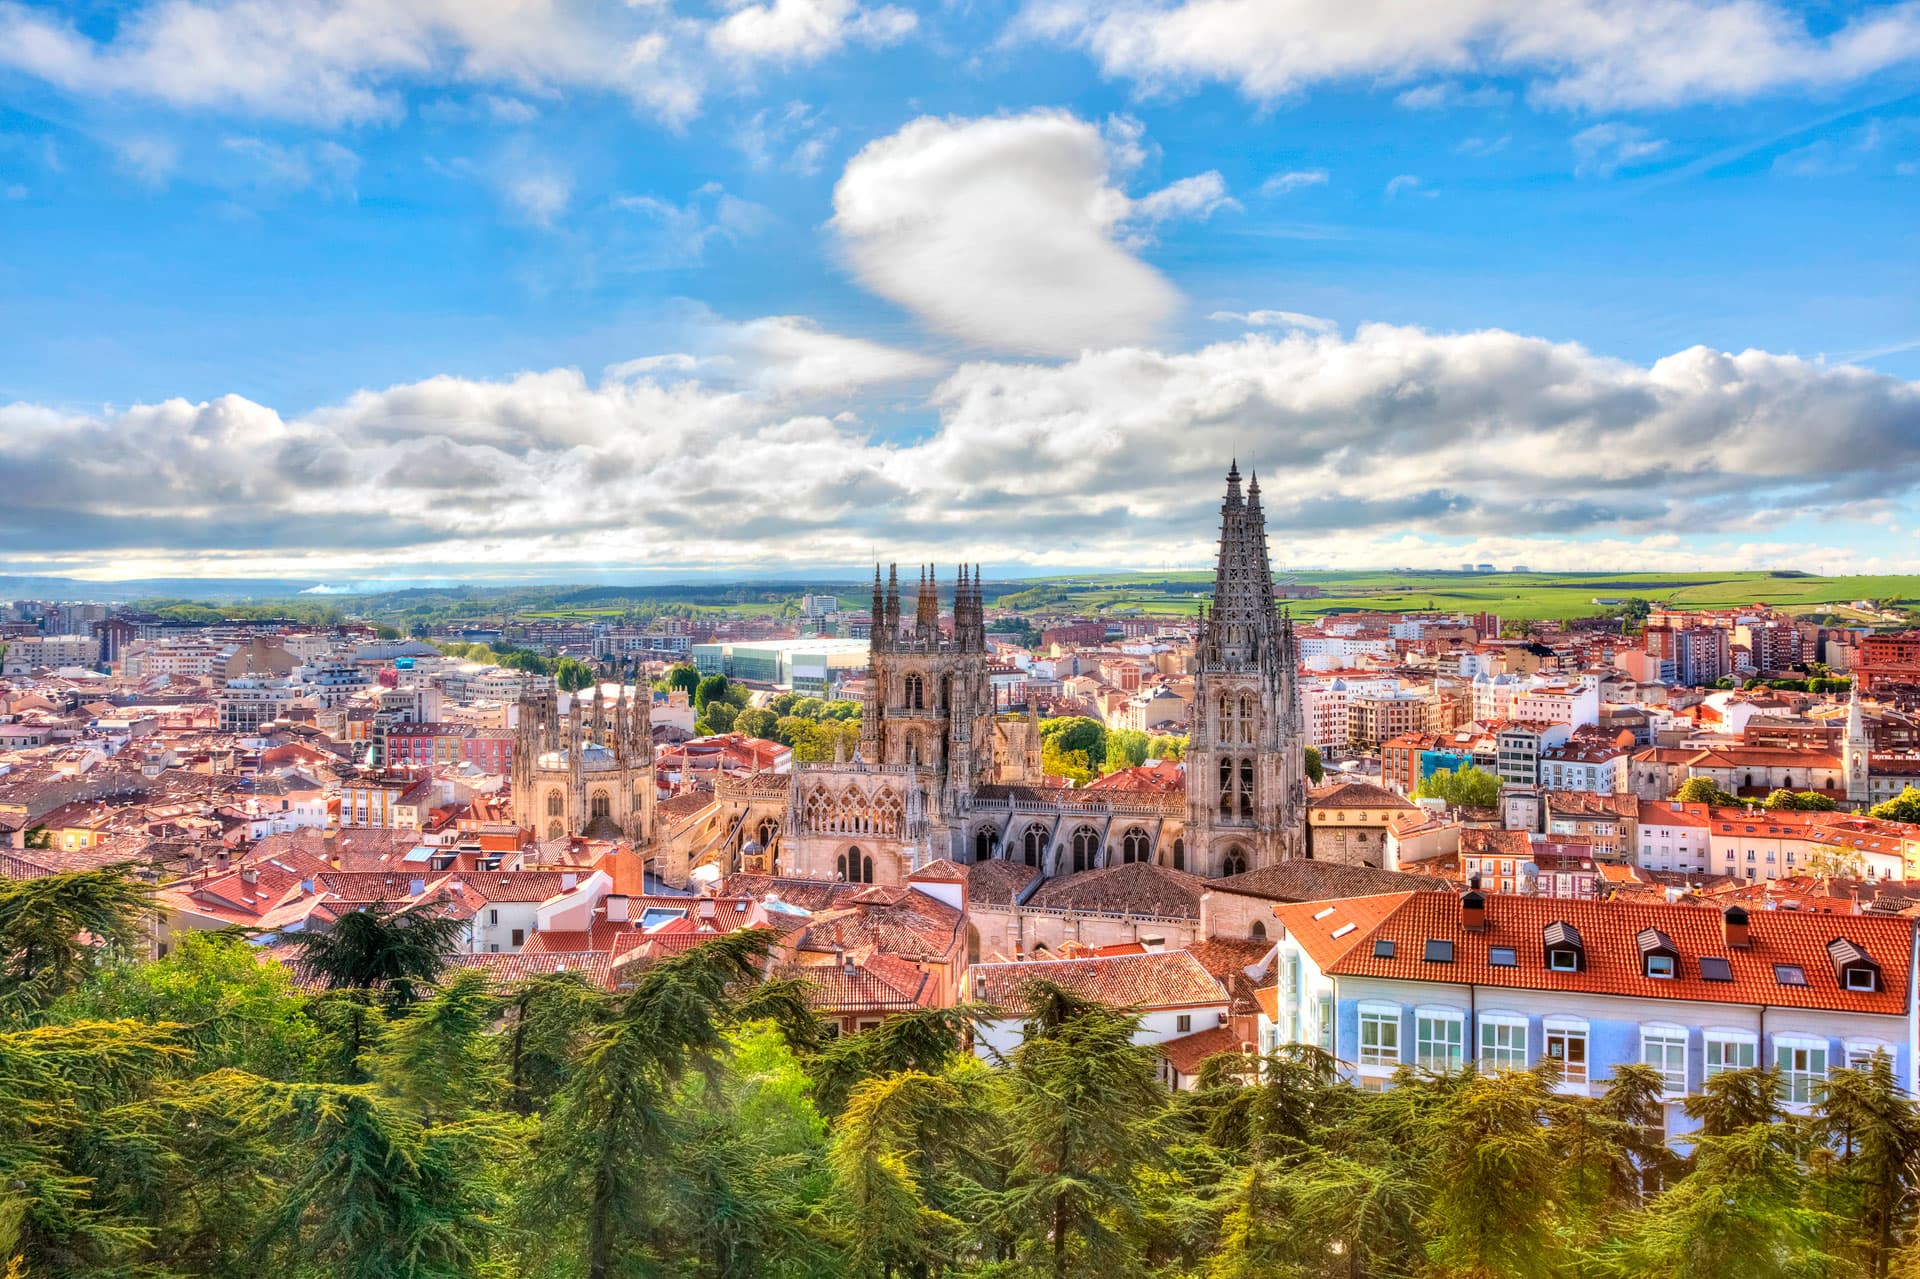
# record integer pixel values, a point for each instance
(1519, 596)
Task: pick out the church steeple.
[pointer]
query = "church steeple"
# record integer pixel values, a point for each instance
(1241, 627)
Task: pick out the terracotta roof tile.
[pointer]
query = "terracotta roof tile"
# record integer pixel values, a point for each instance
(1299, 881)
(1138, 888)
(1172, 979)
(1607, 931)
(1188, 1053)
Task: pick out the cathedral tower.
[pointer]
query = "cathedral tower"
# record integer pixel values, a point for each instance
(1246, 759)
(587, 770)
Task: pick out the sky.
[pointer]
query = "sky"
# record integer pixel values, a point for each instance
(360, 291)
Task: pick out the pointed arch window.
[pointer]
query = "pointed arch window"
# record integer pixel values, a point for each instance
(1180, 854)
(1034, 845)
(855, 867)
(1234, 862)
(1135, 846)
(1246, 787)
(556, 804)
(915, 692)
(1086, 848)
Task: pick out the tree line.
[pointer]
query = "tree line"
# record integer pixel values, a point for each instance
(372, 1109)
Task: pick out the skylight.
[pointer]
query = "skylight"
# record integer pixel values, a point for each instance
(1322, 914)
(1343, 930)
(1790, 974)
(1714, 968)
(1502, 957)
(1439, 952)
(1383, 948)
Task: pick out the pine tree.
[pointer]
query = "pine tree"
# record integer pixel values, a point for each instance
(53, 929)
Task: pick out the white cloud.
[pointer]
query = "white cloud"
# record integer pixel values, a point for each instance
(539, 194)
(1446, 94)
(794, 138)
(147, 159)
(1293, 180)
(342, 61)
(1198, 197)
(1594, 54)
(1479, 148)
(1406, 184)
(326, 167)
(684, 231)
(1277, 320)
(1605, 149)
(1006, 232)
(1392, 446)
(806, 30)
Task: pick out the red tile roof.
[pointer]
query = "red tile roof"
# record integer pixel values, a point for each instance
(1172, 979)
(1189, 1052)
(1607, 931)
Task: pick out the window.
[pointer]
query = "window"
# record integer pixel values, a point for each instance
(1730, 1052)
(1438, 1038)
(1502, 957)
(1660, 965)
(1665, 1049)
(1383, 949)
(1324, 1017)
(1503, 1042)
(1568, 1046)
(1379, 1037)
(1563, 961)
(1860, 1054)
(1439, 952)
(493, 916)
(1803, 1064)
(1714, 968)
(1790, 974)
(1183, 1023)
(1860, 979)
(519, 936)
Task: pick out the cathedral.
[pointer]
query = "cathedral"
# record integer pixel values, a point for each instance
(938, 775)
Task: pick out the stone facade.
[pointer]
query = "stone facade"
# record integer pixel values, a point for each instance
(587, 770)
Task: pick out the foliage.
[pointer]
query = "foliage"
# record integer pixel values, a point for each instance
(54, 929)
(1465, 787)
(684, 676)
(1077, 733)
(394, 952)
(1316, 767)
(1704, 790)
(1126, 748)
(199, 1115)
(1805, 801)
(1056, 761)
(1174, 748)
(710, 688)
(1904, 807)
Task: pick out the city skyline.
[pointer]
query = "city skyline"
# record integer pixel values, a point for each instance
(351, 293)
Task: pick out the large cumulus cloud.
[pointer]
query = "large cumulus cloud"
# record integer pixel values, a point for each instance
(1379, 447)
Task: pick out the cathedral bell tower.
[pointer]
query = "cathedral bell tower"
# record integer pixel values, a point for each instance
(1246, 759)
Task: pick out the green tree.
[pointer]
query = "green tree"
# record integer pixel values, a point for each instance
(547, 1017)
(1806, 801)
(1077, 733)
(1055, 761)
(683, 676)
(710, 689)
(1463, 787)
(1496, 1183)
(1904, 807)
(1173, 748)
(888, 1170)
(54, 929)
(397, 953)
(1082, 1102)
(612, 1127)
(1872, 1131)
(717, 718)
(231, 1009)
(1316, 767)
(439, 1061)
(572, 674)
(1126, 748)
(1704, 790)
(755, 723)
(38, 837)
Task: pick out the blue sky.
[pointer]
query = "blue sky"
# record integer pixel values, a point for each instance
(345, 289)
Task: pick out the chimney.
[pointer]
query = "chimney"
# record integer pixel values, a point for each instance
(250, 876)
(617, 908)
(567, 880)
(707, 909)
(416, 886)
(220, 863)
(1734, 924)
(1473, 911)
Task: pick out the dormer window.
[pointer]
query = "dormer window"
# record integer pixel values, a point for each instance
(1854, 968)
(1565, 952)
(1658, 955)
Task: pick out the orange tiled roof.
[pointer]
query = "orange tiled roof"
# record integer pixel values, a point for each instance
(1607, 932)
(1172, 979)
(1188, 1053)
(1327, 930)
